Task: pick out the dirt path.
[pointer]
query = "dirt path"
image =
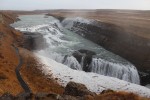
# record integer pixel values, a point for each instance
(19, 77)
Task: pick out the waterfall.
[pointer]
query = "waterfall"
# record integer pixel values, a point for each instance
(61, 45)
(124, 72)
(72, 63)
(82, 62)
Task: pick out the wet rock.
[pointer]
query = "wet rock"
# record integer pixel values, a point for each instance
(144, 77)
(86, 56)
(77, 89)
(86, 63)
(78, 56)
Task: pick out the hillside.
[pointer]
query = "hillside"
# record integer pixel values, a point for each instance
(9, 60)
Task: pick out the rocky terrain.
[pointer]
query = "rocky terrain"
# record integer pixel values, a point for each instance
(42, 87)
(74, 91)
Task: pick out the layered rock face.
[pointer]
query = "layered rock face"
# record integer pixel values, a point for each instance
(115, 39)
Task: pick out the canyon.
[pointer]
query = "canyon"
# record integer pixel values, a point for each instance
(122, 32)
(31, 68)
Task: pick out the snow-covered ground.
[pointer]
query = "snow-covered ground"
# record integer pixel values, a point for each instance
(94, 82)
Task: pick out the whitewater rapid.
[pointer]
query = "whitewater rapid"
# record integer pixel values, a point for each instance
(62, 43)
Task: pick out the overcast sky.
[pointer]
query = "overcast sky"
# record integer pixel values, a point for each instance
(74, 4)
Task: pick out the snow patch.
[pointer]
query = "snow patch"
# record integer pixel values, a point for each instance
(94, 82)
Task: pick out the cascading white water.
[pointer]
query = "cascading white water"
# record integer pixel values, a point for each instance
(62, 43)
(127, 73)
(100, 66)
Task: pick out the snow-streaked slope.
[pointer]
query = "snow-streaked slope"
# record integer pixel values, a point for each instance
(94, 82)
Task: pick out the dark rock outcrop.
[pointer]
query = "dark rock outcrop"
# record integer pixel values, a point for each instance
(87, 58)
(77, 89)
(145, 77)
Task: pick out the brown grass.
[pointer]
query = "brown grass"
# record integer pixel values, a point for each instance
(36, 80)
(8, 62)
(119, 96)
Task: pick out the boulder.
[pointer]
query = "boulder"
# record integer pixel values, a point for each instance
(77, 89)
(78, 56)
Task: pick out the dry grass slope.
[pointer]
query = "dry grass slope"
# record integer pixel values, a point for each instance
(33, 75)
(8, 61)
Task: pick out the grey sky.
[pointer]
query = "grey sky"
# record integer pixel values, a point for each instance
(74, 4)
